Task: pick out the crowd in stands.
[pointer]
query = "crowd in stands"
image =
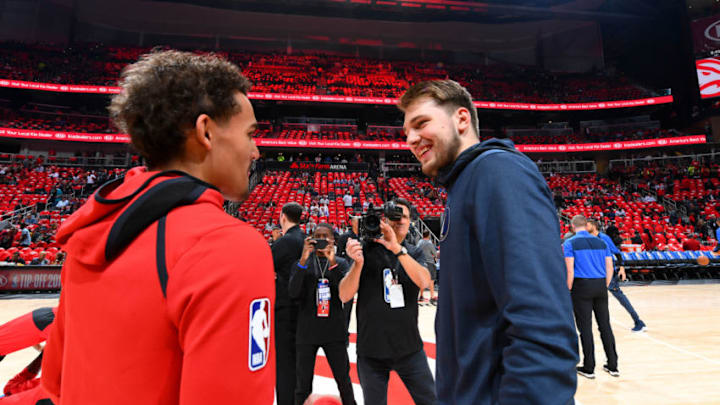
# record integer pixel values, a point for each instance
(327, 197)
(35, 198)
(322, 74)
(633, 200)
(654, 204)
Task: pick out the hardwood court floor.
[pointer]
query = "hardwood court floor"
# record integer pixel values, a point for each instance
(676, 362)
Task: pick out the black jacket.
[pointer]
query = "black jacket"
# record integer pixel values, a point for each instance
(312, 329)
(505, 330)
(286, 251)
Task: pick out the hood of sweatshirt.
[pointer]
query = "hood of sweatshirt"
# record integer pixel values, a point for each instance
(123, 208)
(448, 174)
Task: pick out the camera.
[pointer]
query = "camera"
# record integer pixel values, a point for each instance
(369, 224)
(320, 244)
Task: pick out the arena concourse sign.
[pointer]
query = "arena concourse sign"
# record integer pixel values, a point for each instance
(29, 278)
(315, 98)
(363, 145)
(319, 167)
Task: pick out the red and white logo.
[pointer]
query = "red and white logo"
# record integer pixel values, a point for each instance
(3, 281)
(708, 72)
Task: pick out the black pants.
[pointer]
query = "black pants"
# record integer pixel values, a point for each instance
(285, 327)
(591, 295)
(413, 370)
(337, 357)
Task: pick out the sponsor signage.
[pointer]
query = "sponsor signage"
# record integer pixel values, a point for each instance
(31, 278)
(63, 136)
(360, 145)
(322, 167)
(314, 98)
(590, 147)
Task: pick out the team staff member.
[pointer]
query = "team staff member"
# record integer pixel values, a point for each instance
(156, 308)
(589, 271)
(504, 324)
(387, 285)
(321, 321)
(593, 227)
(285, 252)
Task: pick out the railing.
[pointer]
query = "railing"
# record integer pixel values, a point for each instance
(104, 161)
(632, 161)
(569, 166)
(423, 227)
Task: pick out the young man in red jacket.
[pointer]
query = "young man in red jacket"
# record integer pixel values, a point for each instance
(166, 299)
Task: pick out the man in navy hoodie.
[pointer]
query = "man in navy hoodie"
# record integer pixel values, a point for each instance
(505, 330)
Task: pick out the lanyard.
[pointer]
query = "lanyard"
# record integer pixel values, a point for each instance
(394, 268)
(322, 271)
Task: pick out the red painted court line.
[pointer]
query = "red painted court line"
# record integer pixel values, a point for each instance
(397, 393)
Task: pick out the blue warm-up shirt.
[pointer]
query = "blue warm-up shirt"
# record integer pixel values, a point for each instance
(504, 326)
(589, 253)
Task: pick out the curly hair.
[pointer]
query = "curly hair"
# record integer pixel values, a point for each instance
(164, 92)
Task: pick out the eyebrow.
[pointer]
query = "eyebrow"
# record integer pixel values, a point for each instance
(416, 118)
(253, 127)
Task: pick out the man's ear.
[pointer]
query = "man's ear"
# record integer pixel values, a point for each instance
(463, 120)
(202, 133)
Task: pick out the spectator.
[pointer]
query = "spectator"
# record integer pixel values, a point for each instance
(41, 260)
(25, 238)
(16, 258)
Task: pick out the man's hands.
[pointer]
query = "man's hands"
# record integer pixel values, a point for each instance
(309, 247)
(621, 273)
(353, 249)
(389, 239)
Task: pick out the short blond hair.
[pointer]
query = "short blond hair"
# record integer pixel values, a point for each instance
(448, 94)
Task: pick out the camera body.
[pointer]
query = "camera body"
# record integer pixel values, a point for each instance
(369, 223)
(320, 244)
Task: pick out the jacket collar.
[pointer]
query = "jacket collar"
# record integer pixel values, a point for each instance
(449, 174)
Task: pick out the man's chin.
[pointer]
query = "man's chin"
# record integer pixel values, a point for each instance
(430, 169)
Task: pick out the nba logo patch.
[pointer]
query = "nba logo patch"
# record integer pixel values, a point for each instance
(259, 349)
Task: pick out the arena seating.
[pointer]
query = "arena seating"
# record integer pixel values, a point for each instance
(323, 74)
(429, 200)
(281, 187)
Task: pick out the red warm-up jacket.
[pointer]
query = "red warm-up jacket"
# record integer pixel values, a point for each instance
(165, 299)
(26, 330)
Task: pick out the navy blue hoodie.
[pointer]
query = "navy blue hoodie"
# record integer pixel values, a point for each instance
(504, 326)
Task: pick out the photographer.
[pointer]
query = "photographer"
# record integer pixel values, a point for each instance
(388, 284)
(321, 321)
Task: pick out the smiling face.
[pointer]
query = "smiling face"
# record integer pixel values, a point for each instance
(432, 135)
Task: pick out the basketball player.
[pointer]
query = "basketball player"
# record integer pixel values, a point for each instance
(505, 331)
(160, 285)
